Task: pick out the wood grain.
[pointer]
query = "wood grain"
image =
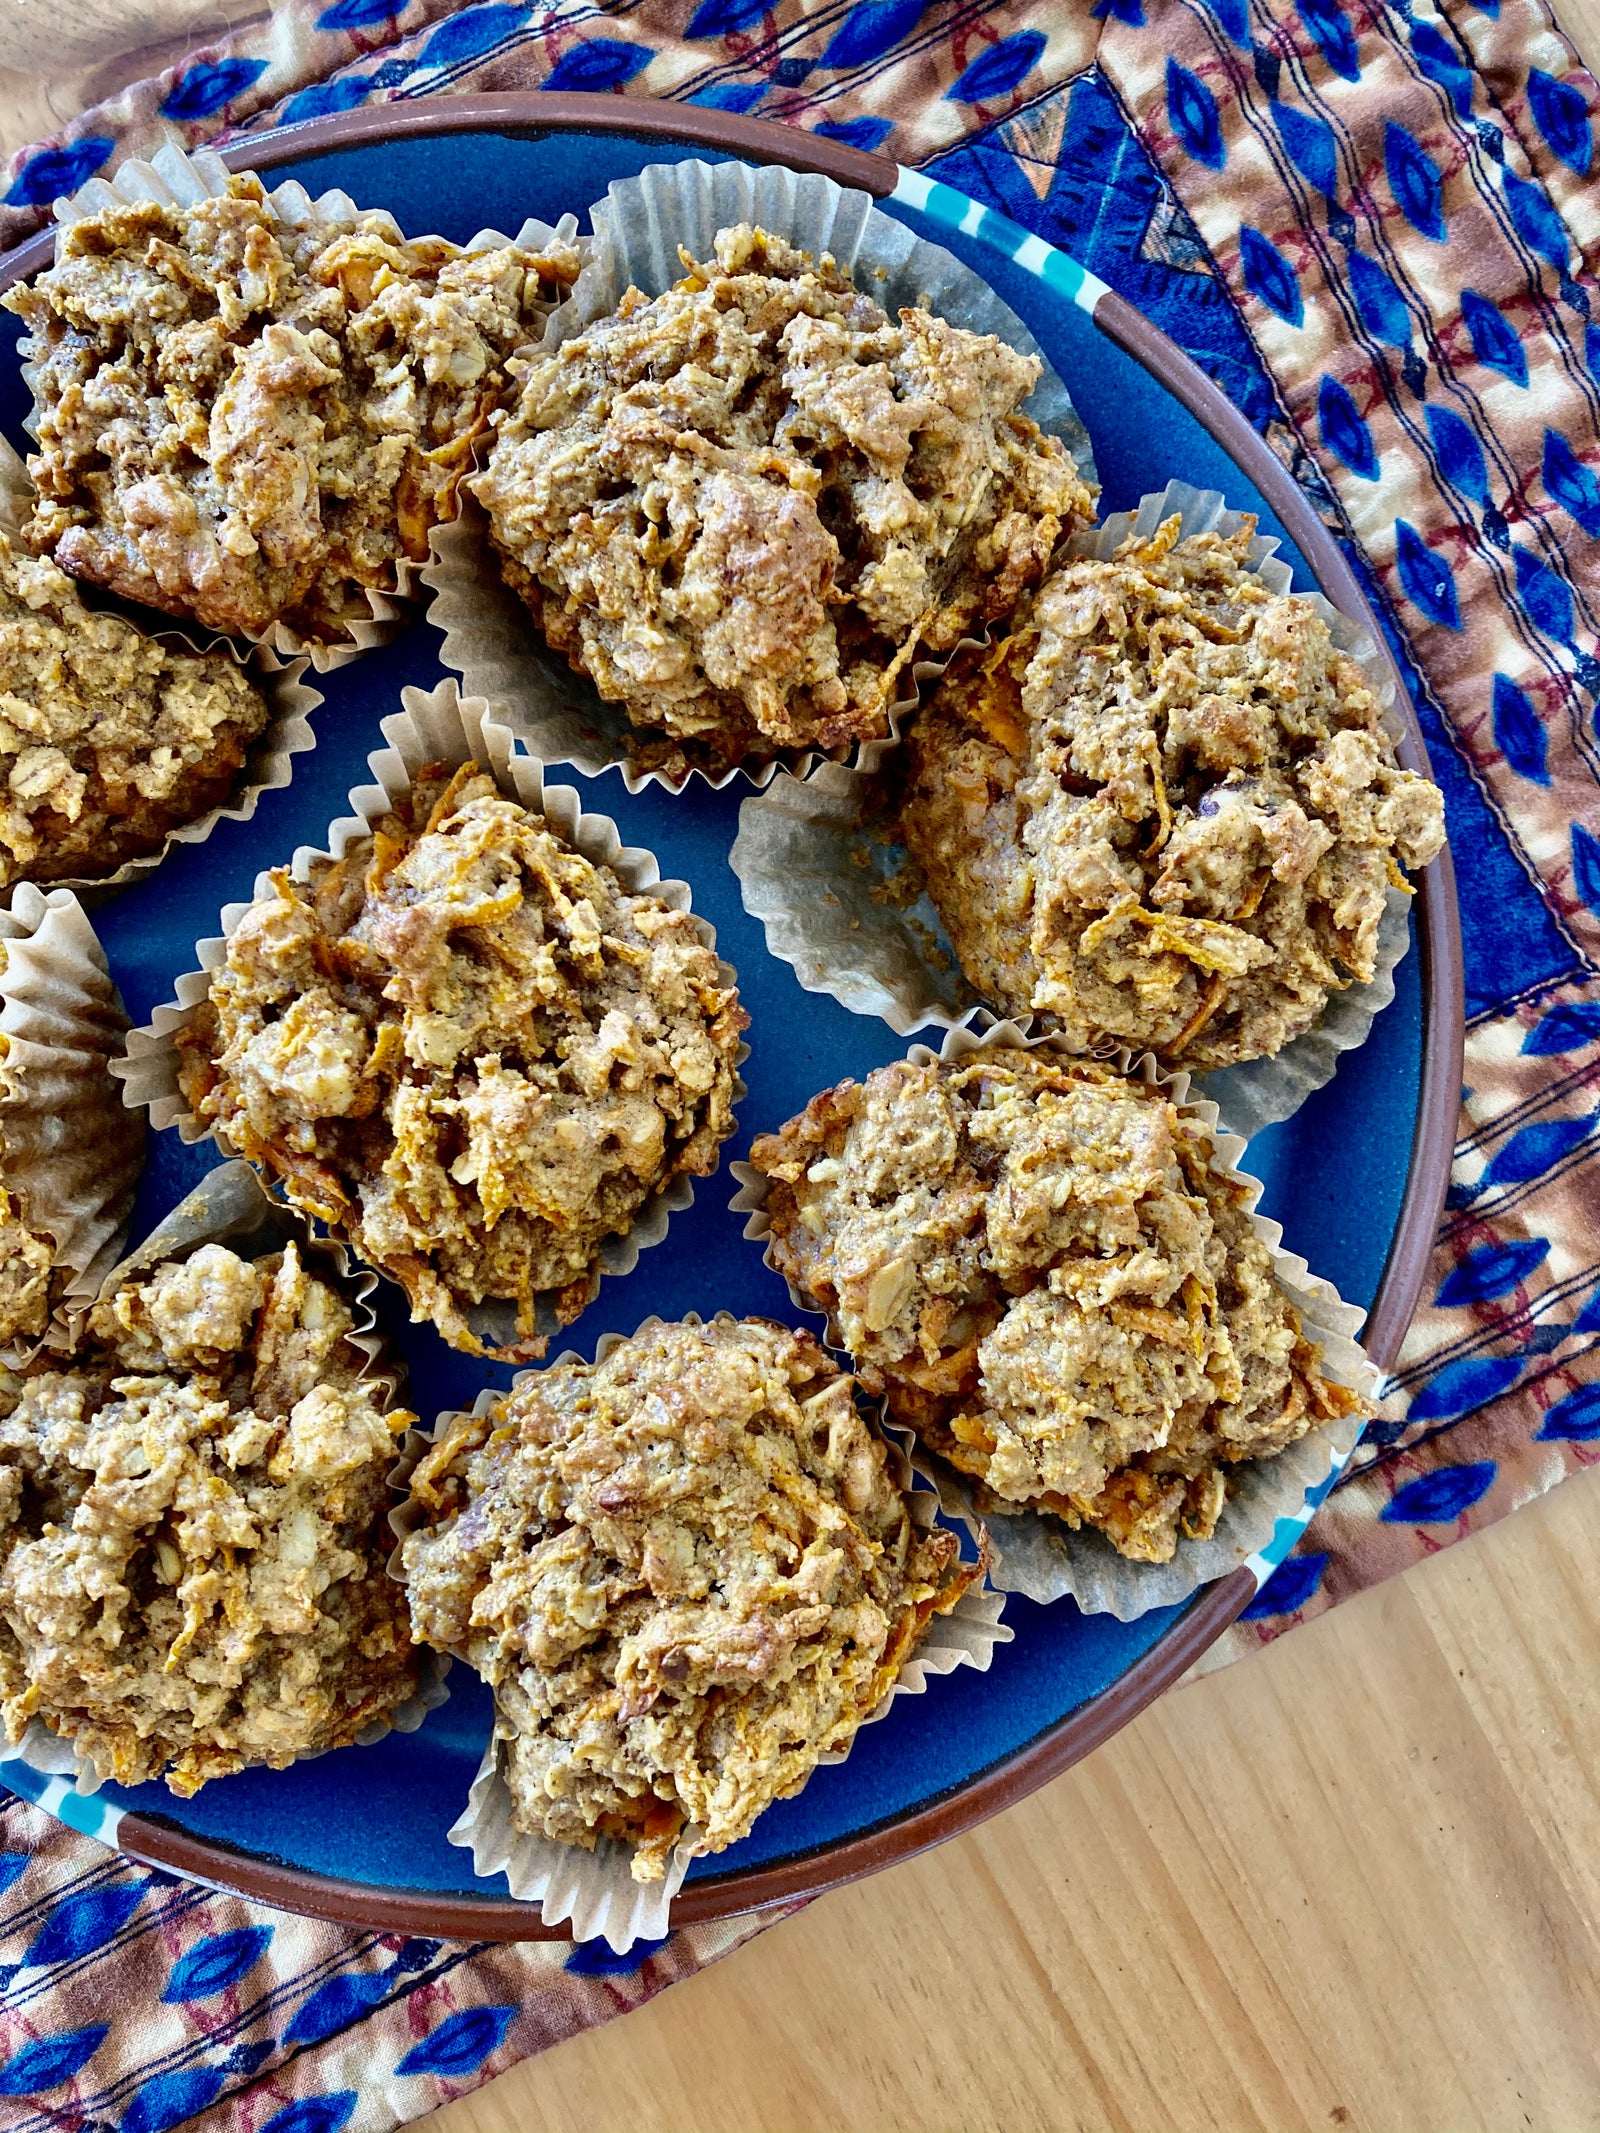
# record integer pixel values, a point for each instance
(1353, 1881)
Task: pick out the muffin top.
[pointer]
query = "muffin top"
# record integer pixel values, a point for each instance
(686, 1571)
(248, 420)
(108, 738)
(1033, 1259)
(193, 1528)
(1164, 811)
(471, 1052)
(741, 506)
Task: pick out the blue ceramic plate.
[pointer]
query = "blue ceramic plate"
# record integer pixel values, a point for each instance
(361, 1833)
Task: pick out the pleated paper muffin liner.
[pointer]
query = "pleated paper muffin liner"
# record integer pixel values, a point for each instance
(266, 768)
(489, 636)
(1040, 1556)
(71, 1153)
(436, 726)
(228, 1207)
(594, 1893)
(174, 178)
(801, 846)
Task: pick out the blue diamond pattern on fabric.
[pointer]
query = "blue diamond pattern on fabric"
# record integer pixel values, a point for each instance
(460, 2044)
(81, 1924)
(1464, 1385)
(1563, 1029)
(1493, 341)
(1519, 733)
(1576, 1418)
(1493, 1270)
(1571, 484)
(358, 14)
(217, 1962)
(872, 29)
(1344, 429)
(1586, 865)
(1562, 116)
(867, 133)
(1335, 39)
(336, 2005)
(1537, 1148)
(1195, 119)
(1415, 182)
(48, 2061)
(470, 34)
(205, 89)
(1429, 581)
(171, 2098)
(58, 171)
(327, 96)
(596, 1958)
(1269, 277)
(1441, 63)
(718, 18)
(1440, 1498)
(315, 2114)
(1290, 1586)
(994, 74)
(600, 63)
(731, 96)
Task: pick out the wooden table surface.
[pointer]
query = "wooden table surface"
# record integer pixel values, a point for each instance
(1353, 1881)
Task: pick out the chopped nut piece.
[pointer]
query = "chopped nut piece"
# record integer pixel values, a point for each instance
(1084, 1318)
(192, 1575)
(247, 420)
(742, 506)
(1164, 811)
(687, 1574)
(471, 1052)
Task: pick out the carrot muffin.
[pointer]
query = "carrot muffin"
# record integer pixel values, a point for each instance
(471, 1053)
(31, 1282)
(741, 507)
(1031, 1257)
(686, 1572)
(108, 740)
(245, 420)
(1164, 811)
(194, 1527)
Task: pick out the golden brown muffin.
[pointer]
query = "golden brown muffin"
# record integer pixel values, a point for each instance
(250, 421)
(1032, 1258)
(471, 1053)
(109, 740)
(687, 1573)
(741, 507)
(194, 1529)
(31, 1282)
(1164, 811)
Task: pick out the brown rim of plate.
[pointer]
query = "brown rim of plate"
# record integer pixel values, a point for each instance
(158, 1842)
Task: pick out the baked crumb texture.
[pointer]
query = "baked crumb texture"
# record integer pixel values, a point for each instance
(30, 1281)
(109, 740)
(1032, 1259)
(248, 421)
(193, 1529)
(687, 1573)
(1164, 811)
(471, 1053)
(741, 507)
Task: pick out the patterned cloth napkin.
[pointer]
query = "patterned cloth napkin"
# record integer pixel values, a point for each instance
(1373, 225)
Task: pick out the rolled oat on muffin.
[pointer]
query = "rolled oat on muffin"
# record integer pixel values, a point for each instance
(109, 739)
(743, 506)
(248, 421)
(686, 1571)
(194, 1528)
(1164, 811)
(1031, 1257)
(471, 1052)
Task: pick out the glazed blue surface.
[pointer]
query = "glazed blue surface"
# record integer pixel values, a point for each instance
(1334, 1174)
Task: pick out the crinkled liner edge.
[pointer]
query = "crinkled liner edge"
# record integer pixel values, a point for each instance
(437, 725)
(267, 767)
(490, 638)
(229, 1207)
(1043, 1559)
(72, 1154)
(172, 177)
(817, 924)
(594, 1892)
